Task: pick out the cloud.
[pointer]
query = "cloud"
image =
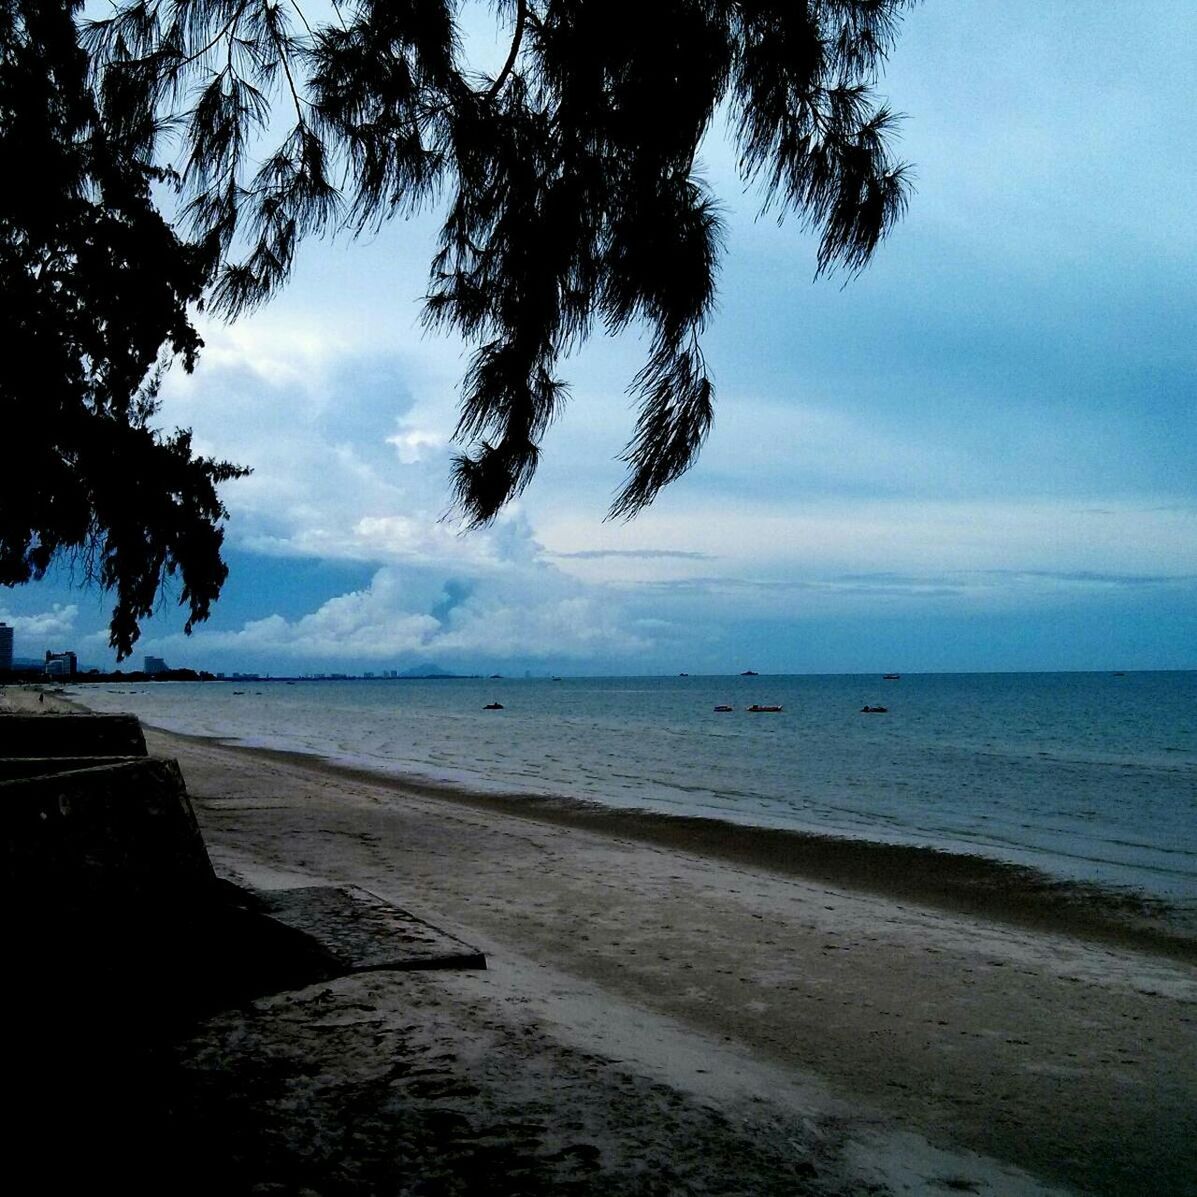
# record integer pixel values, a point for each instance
(1011, 576)
(639, 554)
(58, 621)
(418, 539)
(284, 354)
(1085, 577)
(867, 596)
(455, 594)
(533, 612)
(347, 437)
(414, 444)
(789, 538)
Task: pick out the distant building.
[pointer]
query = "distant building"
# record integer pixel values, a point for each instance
(61, 664)
(155, 665)
(5, 648)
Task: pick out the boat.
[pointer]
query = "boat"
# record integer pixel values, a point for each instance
(891, 677)
(493, 706)
(723, 706)
(763, 708)
(750, 673)
(874, 710)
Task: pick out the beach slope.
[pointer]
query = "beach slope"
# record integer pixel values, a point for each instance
(893, 1031)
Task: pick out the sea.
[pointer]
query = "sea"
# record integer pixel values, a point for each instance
(1088, 777)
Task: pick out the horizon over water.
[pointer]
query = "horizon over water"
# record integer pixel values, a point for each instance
(1085, 776)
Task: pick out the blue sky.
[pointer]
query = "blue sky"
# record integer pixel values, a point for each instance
(977, 455)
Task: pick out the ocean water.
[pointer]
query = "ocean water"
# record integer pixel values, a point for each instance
(1090, 777)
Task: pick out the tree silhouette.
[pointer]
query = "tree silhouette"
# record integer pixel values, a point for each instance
(568, 183)
(568, 187)
(94, 290)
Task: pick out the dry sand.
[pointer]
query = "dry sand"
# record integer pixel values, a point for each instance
(660, 1017)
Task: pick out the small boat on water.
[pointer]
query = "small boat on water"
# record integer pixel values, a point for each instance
(891, 677)
(874, 710)
(493, 706)
(723, 706)
(750, 673)
(763, 708)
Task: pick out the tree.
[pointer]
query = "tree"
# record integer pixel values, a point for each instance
(94, 295)
(571, 199)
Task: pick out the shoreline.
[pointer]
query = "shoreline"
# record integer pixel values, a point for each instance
(968, 884)
(1107, 822)
(927, 778)
(1070, 1057)
(885, 1044)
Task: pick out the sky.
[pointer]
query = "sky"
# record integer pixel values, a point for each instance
(977, 455)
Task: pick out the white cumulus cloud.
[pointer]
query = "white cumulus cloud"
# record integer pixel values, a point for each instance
(58, 621)
(405, 614)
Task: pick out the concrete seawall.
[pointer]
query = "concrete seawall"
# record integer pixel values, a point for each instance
(56, 735)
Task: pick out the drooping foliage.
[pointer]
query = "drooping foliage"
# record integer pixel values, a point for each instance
(567, 180)
(94, 292)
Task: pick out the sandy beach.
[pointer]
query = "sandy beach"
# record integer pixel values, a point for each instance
(661, 1015)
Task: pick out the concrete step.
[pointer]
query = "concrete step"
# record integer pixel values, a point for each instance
(70, 735)
(361, 932)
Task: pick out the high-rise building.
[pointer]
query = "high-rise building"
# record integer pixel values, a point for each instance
(5, 648)
(61, 664)
(155, 665)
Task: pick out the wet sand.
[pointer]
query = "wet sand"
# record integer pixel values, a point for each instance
(957, 883)
(672, 1009)
(1074, 1059)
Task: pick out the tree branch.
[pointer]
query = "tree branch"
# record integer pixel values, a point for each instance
(281, 50)
(229, 26)
(521, 19)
